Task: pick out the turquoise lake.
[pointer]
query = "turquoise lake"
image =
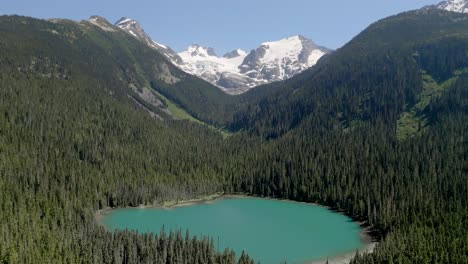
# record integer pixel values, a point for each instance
(270, 231)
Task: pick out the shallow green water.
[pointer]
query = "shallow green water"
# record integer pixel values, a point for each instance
(270, 231)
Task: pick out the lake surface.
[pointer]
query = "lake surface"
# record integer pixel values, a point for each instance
(270, 231)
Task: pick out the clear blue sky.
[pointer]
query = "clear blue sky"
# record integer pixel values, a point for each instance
(227, 24)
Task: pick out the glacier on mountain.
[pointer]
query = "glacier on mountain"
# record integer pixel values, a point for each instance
(238, 71)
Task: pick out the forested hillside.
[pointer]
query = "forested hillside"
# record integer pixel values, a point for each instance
(64, 47)
(376, 130)
(378, 76)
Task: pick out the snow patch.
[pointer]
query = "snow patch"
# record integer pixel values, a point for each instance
(458, 6)
(315, 56)
(133, 33)
(124, 21)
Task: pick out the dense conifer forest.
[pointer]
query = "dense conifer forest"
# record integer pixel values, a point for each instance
(376, 130)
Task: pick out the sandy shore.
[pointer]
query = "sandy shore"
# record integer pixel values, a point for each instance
(367, 238)
(346, 258)
(181, 203)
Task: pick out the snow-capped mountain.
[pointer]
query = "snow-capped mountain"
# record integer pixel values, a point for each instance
(222, 71)
(238, 71)
(280, 60)
(459, 6)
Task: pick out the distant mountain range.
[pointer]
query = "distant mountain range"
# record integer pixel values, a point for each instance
(238, 71)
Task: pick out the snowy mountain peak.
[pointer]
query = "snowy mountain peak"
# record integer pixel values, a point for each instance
(237, 71)
(196, 50)
(282, 59)
(287, 48)
(288, 40)
(459, 6)
(132, 27)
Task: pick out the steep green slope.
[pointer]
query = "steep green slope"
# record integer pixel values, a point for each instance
(375, 77)
(106, 51)
(72, 141)
(413, 119)
(376, 129)
(412, 191)
(67, 149)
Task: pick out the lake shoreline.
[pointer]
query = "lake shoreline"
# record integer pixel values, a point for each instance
(368, 236)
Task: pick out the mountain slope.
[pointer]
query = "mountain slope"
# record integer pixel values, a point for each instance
(157, 73)
(146, 72)
(132, 27)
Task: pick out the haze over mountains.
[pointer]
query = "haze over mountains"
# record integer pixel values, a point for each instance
(238, 71)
